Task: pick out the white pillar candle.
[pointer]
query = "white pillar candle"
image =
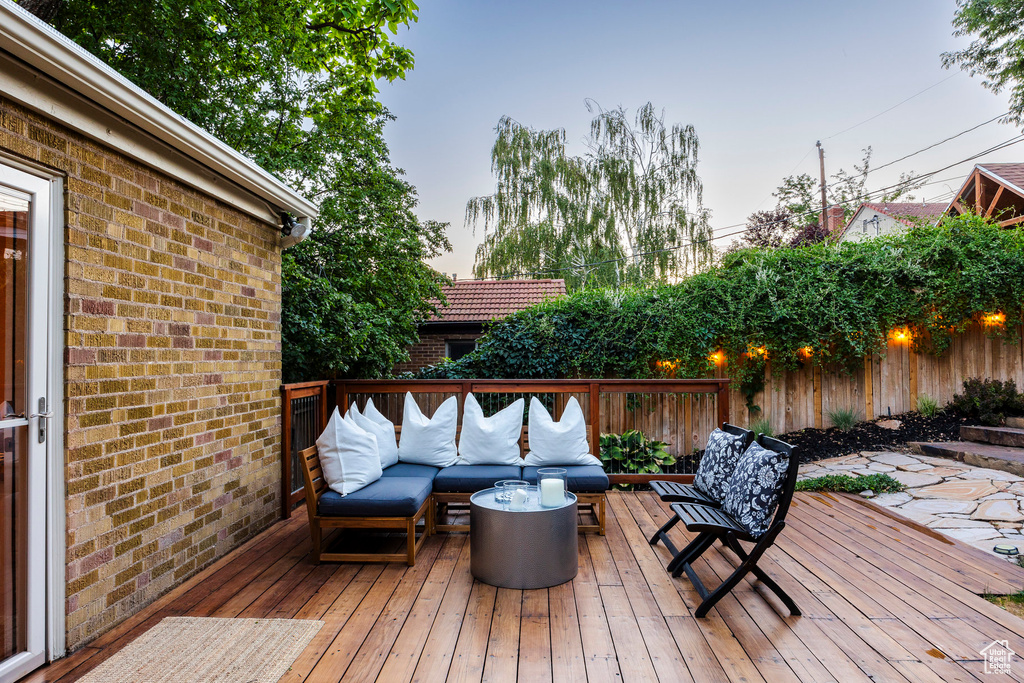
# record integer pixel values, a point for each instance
(518, 501)
(552, 492)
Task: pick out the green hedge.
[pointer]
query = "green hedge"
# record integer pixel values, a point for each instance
(841, 300)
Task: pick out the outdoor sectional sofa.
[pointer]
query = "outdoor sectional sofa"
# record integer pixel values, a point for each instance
(408, 494)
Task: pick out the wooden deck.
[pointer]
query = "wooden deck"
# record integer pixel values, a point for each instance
(882, 600)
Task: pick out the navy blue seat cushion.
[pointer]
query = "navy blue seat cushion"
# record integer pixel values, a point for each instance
(579, 478)
(472, 478)
(406, 469)
(386, 497)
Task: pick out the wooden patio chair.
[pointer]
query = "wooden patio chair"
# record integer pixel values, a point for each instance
(316, 487)
(676, 492)
(712, 524)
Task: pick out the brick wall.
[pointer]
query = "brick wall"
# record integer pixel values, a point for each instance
(429, 350)
(172, 365)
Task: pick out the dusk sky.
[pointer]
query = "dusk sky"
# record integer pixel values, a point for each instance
(759, 81)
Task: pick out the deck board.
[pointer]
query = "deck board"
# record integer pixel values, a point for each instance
(882, 600)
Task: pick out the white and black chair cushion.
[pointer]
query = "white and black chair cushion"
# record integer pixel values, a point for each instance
(721, 456)
(755, 487)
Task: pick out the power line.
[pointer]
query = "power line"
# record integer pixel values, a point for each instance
(795, 166)
(881, 191)
(940, 142)
(921, 92)
(1007, 143)
(908, 181)
(895, 161)
(925, 149)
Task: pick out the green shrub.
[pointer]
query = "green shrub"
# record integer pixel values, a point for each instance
(633, 452)
(761, 426)
(843, 419)
(988, 401)
(844, 483)
(841, 300)
(927, 406)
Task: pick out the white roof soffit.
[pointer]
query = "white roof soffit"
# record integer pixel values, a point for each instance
(52, 53)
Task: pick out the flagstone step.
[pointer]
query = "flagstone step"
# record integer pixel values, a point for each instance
(1003, 458)
(999, 436)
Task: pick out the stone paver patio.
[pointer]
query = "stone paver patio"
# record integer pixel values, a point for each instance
(981, 507)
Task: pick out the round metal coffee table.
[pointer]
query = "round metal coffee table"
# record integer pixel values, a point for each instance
(535, 547)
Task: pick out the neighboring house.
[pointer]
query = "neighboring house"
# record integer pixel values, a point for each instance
(995, 191)
(140, 345)
(470, 304)
(873, 220)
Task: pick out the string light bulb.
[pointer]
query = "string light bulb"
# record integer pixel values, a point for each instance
(757, 352)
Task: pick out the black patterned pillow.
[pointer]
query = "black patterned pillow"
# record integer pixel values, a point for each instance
(754, 488)
(720, 457)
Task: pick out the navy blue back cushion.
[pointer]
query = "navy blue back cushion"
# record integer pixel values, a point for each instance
(579, 478)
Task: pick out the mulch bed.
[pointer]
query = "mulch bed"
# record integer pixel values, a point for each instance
(818, 444)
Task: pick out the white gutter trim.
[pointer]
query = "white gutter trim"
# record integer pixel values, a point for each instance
(47, 50)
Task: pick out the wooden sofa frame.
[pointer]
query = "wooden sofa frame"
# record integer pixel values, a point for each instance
(595, 502)
(313, 478)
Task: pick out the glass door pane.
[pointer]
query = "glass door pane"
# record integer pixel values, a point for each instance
(14, 254)
(12, 535)
(14, 288)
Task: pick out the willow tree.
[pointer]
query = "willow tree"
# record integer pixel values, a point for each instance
(627, 211)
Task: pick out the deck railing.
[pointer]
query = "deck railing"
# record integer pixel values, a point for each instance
(681, 412)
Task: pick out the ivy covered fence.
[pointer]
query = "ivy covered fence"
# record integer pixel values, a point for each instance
(822, 304)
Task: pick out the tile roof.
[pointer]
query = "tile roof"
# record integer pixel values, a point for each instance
(908, 209)
(905, 212)
(484, 300)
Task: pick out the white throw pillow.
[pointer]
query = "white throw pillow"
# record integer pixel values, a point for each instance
(382, 428)
(429, 441)
(490, 440)
(348, 455)
(558, 443)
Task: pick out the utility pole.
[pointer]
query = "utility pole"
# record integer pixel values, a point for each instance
(824, 201)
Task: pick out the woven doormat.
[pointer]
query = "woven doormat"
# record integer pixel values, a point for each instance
(199, 649)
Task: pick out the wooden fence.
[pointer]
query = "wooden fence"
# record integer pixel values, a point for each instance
(885, 384)
(681, 412)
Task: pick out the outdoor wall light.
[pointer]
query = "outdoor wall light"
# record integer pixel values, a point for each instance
(1006, 549)
(994, 318)
(900, 334)
(288, 224)
(717, 357)
(806, 351)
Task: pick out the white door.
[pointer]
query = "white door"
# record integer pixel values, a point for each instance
(24, 406)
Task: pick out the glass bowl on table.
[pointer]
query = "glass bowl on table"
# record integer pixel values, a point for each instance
(505, 488)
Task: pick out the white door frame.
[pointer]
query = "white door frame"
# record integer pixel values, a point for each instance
(46, 503)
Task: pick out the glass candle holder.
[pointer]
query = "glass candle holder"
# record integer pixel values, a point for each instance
(509, 486)
(552, 484)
